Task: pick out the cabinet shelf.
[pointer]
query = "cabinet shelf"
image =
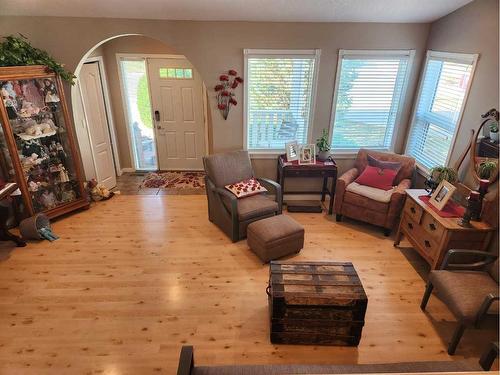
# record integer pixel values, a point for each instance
(45, 166)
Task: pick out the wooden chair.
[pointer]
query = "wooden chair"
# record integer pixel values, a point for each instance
(470, 290)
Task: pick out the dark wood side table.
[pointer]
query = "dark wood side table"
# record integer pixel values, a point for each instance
(318, 170)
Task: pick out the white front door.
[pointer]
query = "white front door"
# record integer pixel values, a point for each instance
(177, 101)
(97, 122)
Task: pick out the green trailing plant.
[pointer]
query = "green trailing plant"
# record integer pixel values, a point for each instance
(322, 142)
(18, 51)
(440, 173)
(486, 168)
(494, 127)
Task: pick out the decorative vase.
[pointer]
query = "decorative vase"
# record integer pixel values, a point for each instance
(323, 155)
(494, 136)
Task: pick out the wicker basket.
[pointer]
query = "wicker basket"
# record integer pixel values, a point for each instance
(29, 227)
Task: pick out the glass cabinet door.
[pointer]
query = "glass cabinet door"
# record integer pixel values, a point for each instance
(37, 121)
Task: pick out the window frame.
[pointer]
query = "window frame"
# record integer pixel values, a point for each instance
(277, 53)
(347, 153)
(446, 56)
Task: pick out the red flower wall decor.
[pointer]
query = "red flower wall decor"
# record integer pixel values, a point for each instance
(225, 91)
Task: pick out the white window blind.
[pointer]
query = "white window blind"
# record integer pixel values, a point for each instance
(369, 93)
(443, 90)
(279, 97)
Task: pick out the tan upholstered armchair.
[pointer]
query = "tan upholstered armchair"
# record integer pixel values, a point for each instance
(230, 214)
(470, 290)
(364, 208)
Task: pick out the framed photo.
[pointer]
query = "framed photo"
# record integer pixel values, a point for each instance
(442, 194)
(292, 151)
(307, 154)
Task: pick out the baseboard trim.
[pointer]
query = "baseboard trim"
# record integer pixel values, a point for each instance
(128, 170)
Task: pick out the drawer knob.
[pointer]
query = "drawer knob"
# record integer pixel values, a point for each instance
(412, 209)
(427, 243)
(432, 226)
(410, 225)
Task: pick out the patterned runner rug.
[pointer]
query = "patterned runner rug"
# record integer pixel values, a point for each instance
(176, 182)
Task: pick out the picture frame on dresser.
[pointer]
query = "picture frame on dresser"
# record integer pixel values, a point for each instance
(37, 142)
(442, 194)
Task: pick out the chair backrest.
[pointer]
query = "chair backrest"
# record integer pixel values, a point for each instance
(407, 162)
(493, 270)
(227, 168)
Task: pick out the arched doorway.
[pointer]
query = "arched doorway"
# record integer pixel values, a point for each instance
(153, 112)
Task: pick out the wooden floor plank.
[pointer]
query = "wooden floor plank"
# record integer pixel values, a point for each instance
(134, 278)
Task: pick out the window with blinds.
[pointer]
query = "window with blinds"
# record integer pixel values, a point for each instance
(279, 97)
(369, 93)
(443, 90)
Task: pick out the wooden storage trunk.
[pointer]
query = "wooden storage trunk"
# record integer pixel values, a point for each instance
(315, 303)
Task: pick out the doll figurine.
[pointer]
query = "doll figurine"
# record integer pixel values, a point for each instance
(48, 199)
(63, 173)
(47, 119)
(28, 109)
(68, 194)
(51, 97)
(60, 151)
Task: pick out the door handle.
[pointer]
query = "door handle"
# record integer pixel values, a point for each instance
(157, 115)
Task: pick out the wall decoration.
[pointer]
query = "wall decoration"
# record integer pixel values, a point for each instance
(225, 91)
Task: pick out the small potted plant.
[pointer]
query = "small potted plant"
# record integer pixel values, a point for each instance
(438, 174)
(494, 131)
(323, 146)
(487, 168)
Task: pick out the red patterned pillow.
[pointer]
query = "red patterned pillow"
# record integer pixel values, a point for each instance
(377, 178)
(246, 188)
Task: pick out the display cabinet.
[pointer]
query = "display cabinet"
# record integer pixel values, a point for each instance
(38, 148)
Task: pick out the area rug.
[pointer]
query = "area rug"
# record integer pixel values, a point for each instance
(175, 182)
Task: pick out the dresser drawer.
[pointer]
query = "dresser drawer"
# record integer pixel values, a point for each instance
(424, 242)
(413, 210)
(432, 227)
(429, 246)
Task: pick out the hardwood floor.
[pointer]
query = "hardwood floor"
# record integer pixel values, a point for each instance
(134, 278)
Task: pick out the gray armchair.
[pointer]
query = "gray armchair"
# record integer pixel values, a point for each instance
(470, 290)
(230, 214)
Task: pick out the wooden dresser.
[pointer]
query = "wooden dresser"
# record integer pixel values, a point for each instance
(432, 235)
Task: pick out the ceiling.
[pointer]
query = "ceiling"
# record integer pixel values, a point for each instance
(241, 10)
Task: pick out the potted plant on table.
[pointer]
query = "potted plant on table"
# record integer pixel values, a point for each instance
(494, 131)
(487, 168)
(438, 174)
(323, 146)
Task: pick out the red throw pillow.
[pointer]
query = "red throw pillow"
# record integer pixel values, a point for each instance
(377, 178)
(246, 188)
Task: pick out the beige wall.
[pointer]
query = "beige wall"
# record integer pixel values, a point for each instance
(214, 47)
(472, 29)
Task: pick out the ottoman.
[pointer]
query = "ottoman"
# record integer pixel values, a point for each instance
(275, 237)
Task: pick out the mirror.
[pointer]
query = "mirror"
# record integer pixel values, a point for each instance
(484, 151)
